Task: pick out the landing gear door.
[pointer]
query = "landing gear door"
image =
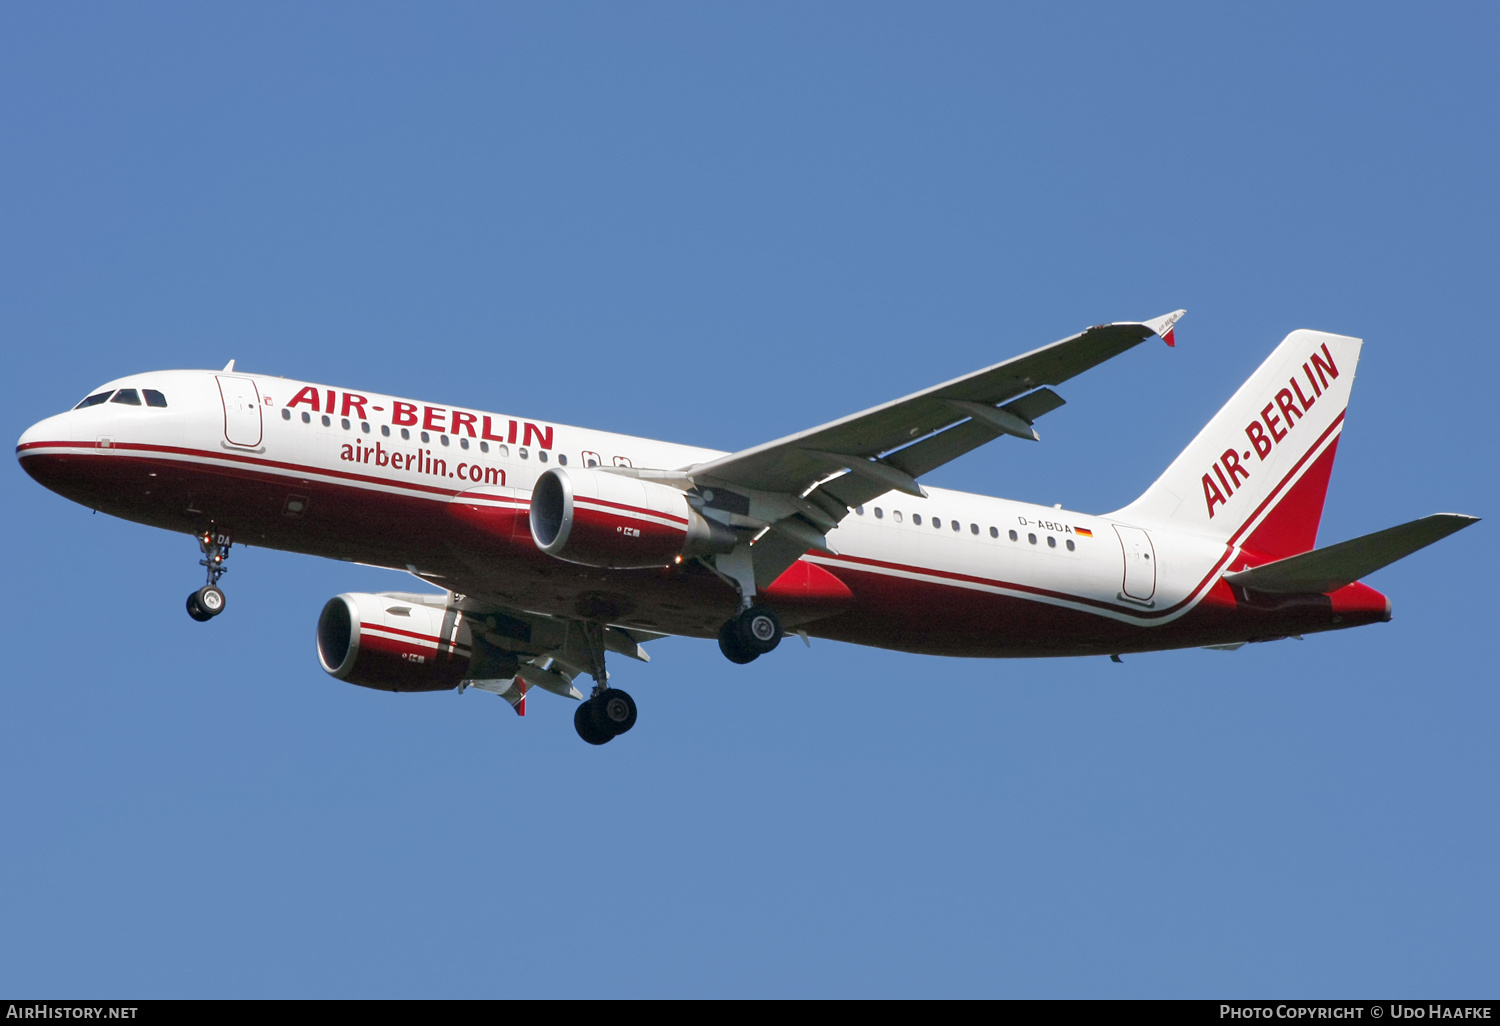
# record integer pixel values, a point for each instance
(242, 425)
(1140, 564)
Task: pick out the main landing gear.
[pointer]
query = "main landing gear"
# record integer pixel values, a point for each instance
(609, 713)
(753, 632)
(208, 601)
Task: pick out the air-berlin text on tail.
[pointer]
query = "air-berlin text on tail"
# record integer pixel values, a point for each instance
(429, 418)
(1275, 423)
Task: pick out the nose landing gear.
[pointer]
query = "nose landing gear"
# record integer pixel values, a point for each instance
(208, 601)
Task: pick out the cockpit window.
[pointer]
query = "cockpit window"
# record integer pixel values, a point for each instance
(94, 400)
(127, 396)
(154, 398)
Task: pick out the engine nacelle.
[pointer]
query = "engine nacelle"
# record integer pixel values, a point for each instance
(597, 518)
(393, 642)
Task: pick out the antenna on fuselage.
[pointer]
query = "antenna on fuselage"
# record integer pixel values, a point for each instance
(228, 366)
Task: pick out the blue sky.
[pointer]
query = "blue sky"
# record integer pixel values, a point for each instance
(718, 224)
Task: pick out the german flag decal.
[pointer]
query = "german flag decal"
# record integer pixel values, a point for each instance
(1083, 532)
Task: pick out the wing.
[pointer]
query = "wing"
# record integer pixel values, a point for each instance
(802, 485)
(798, 461)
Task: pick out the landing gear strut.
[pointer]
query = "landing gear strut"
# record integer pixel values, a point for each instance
(753, 632)
(608, 712)
(208, 601)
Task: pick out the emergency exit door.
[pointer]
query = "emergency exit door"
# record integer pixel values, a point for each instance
(1140, 564)
(242, 424)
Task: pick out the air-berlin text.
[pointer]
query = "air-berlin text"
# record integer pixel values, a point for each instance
(1276, 421)
(431, 418)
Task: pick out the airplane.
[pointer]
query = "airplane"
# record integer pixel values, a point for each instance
(556, 546)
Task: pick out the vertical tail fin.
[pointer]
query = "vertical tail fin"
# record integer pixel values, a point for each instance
(1257, 474)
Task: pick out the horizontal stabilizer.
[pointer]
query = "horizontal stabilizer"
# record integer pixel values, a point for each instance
(1328, 569)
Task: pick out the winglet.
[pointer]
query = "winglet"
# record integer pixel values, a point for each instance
(1164, 326)
(228, 367)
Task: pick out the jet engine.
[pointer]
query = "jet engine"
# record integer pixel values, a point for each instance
(393, 642)
(601, 519)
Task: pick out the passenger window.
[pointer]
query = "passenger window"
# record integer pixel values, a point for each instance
(1031, 538)
(385, 429)
(405, 435)
(1071, 546)
(879, 513)
(154, 398)
(973, 528)
(896, 516)
(286, 414)
(937, 522)
(541, 454)
(959, 527)
(1014, 536)
(127, 397)
(522, 452)
(463, 442)
(344, 423)
(916, 518)
(562, 458)
(1051, 542)
(484, 446)
(859, 511)
(426, 437)
(994, 532)
(93, 400)
(326, 421)
(306, 417)
(443, 439)
(502, 451)
(364, 426)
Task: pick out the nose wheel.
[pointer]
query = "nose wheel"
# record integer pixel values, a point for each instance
(208, 601)
(205, 603)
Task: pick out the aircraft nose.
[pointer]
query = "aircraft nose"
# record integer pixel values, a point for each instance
(52, 429)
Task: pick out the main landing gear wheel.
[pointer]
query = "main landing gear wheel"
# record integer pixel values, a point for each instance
(761, 629)
(752, 633)
(583, 722)
(205, 603)
(730, 644)
(605, 716)
(614, 711)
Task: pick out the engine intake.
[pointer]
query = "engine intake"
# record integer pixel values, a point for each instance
(609, 520)
(392, 643)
